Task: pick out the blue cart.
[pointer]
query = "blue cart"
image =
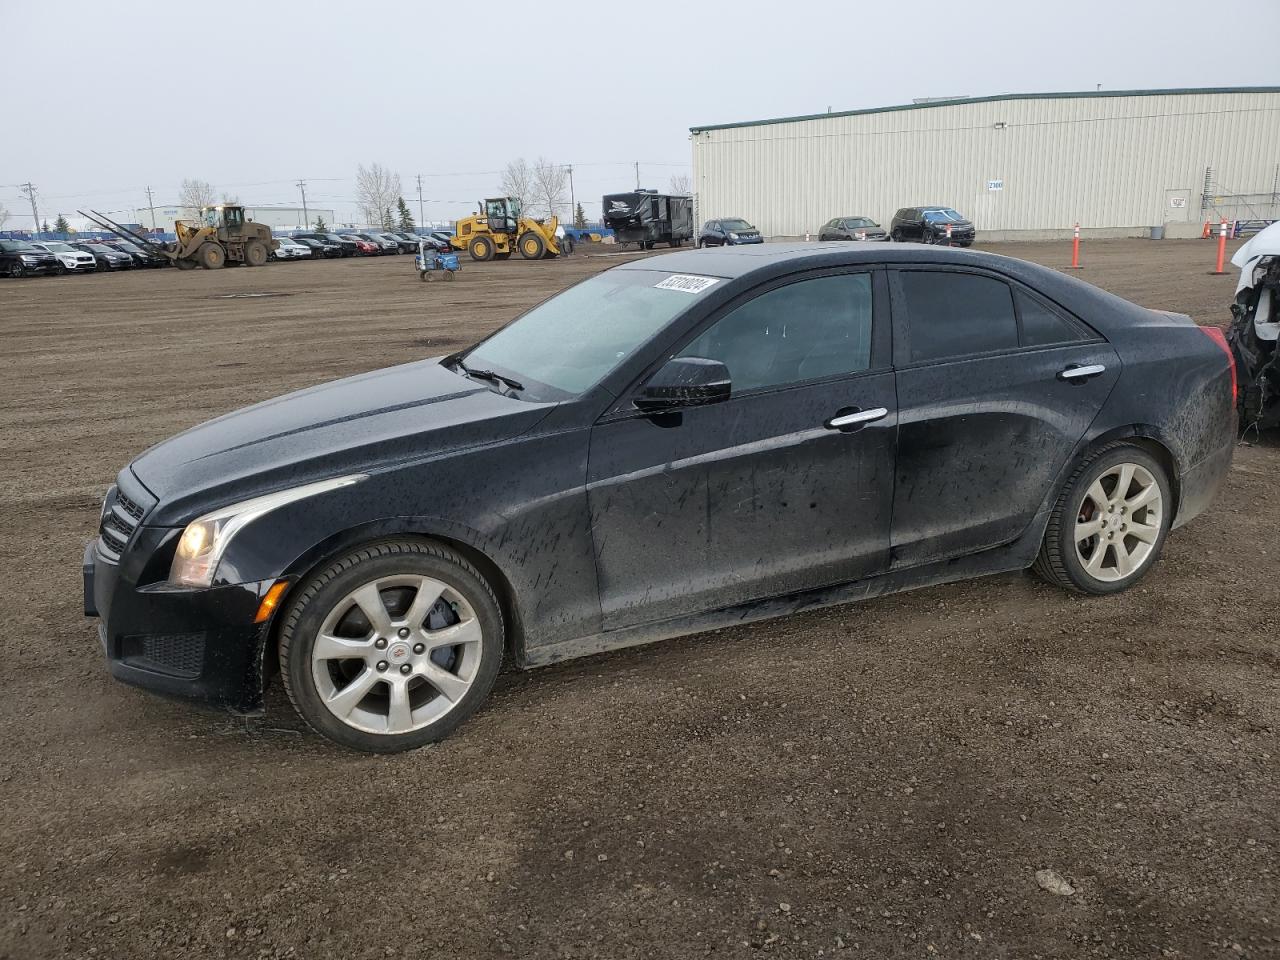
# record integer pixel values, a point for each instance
(432, 263)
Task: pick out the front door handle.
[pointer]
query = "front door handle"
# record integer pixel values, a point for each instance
(1081, 373)
(856, 418)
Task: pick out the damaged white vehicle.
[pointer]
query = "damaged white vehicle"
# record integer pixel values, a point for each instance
(1255, 329)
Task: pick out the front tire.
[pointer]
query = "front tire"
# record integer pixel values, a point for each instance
(1110, 523)
(255, 253)
(531, 246)
(392, 646)
(211, 256)
(481, 249)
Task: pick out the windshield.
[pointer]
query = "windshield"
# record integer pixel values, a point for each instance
(736, 225)
(57, 246)
(858, 223)
(13, 246)
(942, 216)
(571, 342)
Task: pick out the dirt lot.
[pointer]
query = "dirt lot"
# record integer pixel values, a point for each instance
(880, 780)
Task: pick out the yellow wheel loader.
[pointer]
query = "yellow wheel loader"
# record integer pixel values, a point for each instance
(500, 228)
(221, 235)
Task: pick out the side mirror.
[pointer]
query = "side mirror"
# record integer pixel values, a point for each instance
(685, 382)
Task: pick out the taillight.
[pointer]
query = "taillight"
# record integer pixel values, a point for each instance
(1217, 336)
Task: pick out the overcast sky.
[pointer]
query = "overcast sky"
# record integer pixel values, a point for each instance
(252, 96)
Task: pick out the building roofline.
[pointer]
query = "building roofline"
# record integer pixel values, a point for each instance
(1071, 95)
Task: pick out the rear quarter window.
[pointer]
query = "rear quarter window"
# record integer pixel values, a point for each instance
(1041, 325)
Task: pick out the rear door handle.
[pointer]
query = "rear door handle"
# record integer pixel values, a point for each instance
(856, 418)
(1081, 373)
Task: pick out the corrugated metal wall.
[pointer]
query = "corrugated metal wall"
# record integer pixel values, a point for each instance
(1105, 161)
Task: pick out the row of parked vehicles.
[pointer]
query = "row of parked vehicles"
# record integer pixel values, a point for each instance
(29, 258)
(369, 243)
(909, 225)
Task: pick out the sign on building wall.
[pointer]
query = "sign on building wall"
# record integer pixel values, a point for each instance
(1177, 202)
(994, 185)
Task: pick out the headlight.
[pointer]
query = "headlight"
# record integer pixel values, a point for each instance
(28, 258)
(733, 236)
(205, 539)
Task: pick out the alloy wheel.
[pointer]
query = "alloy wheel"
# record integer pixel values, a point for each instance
(396, 654)
(1118, 523)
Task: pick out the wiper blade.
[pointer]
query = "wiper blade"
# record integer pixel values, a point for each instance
(489, 375)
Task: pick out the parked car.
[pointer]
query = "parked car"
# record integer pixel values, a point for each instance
(409, 241)
(366, 248)
(852, 228)
(728, 232)
(385, 245)
(107, 258)
(141, 257)
(18, 258)
(434, 242)
(321, 248)
(676, 444)
(346, 246)
(72, 260)
(929, 225)
(290, 249)
(444, 236)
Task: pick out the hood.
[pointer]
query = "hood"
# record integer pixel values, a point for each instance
(416, 411)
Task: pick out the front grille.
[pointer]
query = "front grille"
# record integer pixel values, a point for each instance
(120, 518)
(180, 654)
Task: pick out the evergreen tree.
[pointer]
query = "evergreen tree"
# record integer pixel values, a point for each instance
(61, 225)
(406, 218)
(388, 221)
(45, 228)
(580, 218)
(321, 226)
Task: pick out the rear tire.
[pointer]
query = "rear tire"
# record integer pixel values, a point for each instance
(413, 640)
(481, 249)
(1109, 524)
(255, 253)
(211, 256)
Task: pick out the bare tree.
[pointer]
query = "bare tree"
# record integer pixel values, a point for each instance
(377, 190)
(517, 181)
(4, 214)
(195, 194)
(681, 184)
(550, 181)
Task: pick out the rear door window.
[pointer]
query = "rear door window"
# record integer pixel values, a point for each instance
(957, 314)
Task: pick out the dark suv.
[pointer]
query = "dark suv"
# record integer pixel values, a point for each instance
(929, 225)
(345, 244)
(20, 259)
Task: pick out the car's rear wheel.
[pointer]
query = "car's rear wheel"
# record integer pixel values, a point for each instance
(1109, 525)
(392, 646)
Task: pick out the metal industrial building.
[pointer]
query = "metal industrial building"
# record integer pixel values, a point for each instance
(1019, 165)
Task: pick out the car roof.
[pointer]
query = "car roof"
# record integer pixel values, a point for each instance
(763, 262)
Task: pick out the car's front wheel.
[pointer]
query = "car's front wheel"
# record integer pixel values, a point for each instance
(1109, 524)
(391, 646)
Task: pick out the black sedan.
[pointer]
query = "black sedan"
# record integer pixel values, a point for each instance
(321, 248)
(141, 257)
(728, 232)
(852, 228)
(673, 445)
(107, 258)
(18, 258)
(346, 246)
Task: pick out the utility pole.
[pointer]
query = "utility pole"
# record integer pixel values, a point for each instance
(29, 189)
(573, 202)
(422, 219)
(306, 220)
(152, 206)
(637, 174)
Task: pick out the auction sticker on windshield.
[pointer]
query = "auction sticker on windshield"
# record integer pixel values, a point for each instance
(686, 283)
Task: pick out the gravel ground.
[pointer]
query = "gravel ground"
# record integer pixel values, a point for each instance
(878, 780)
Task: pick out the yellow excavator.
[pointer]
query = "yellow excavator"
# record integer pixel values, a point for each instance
(500, 228)
(221, 235)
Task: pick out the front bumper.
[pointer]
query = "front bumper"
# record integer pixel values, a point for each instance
(197, 645)
(742, 241)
